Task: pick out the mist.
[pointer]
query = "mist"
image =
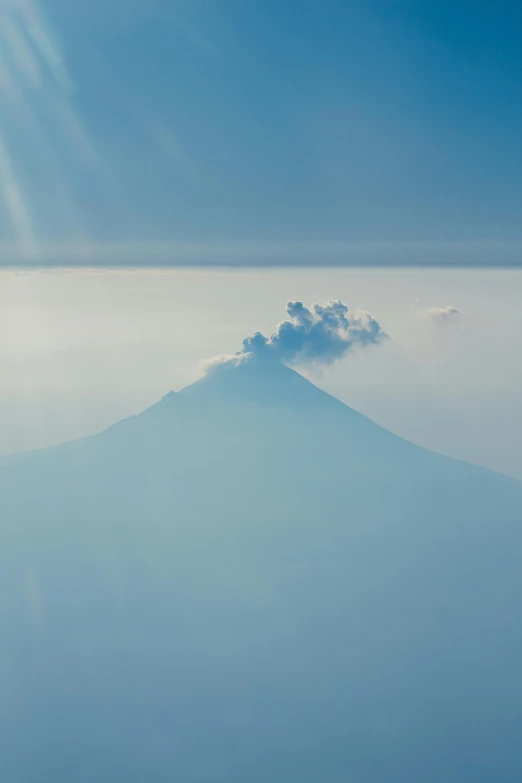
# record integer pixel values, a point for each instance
(81, 350)
(250, 564)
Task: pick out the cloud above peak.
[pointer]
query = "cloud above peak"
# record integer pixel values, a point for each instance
(444, 314)
(320, 334)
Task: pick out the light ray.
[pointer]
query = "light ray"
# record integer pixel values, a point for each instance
(40, 31)
(15, 203)
(37, 87)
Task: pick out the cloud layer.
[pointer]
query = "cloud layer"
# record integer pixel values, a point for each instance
(319, 334)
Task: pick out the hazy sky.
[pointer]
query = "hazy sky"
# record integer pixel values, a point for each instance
(80, 350)
(261, 121)
(245, 131)
(172, 173)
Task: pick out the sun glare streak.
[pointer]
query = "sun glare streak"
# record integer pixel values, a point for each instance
(41, 33)
(36, 87)
(74, 131)
(17, 45)
(14, 202)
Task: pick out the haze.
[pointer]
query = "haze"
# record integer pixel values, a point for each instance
(83, 349)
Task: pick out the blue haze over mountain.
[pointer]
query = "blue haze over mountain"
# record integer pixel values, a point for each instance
(252, 582)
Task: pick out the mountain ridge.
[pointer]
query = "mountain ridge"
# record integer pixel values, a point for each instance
(252, 382)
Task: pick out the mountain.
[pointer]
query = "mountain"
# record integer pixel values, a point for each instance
(252, 582)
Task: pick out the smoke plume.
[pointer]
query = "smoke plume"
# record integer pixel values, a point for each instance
(319, 334)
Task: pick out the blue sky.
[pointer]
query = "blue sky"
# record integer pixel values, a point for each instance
(221, 122)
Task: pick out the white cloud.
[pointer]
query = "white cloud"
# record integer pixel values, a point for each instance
(446, 314)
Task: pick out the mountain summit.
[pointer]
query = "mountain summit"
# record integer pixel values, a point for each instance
(251, 581)
(254, 378)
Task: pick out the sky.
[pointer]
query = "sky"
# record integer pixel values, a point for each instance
(258, 131)
(177, 177)
(304, 134)
(83, 349)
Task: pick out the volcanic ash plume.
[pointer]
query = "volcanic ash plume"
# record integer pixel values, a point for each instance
(319, 334)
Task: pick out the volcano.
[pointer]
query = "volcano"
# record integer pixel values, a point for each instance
(251, 581)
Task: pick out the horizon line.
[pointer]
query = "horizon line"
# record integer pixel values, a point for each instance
(113, 254)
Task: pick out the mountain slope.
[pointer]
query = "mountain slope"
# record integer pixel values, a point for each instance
(251, 581)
